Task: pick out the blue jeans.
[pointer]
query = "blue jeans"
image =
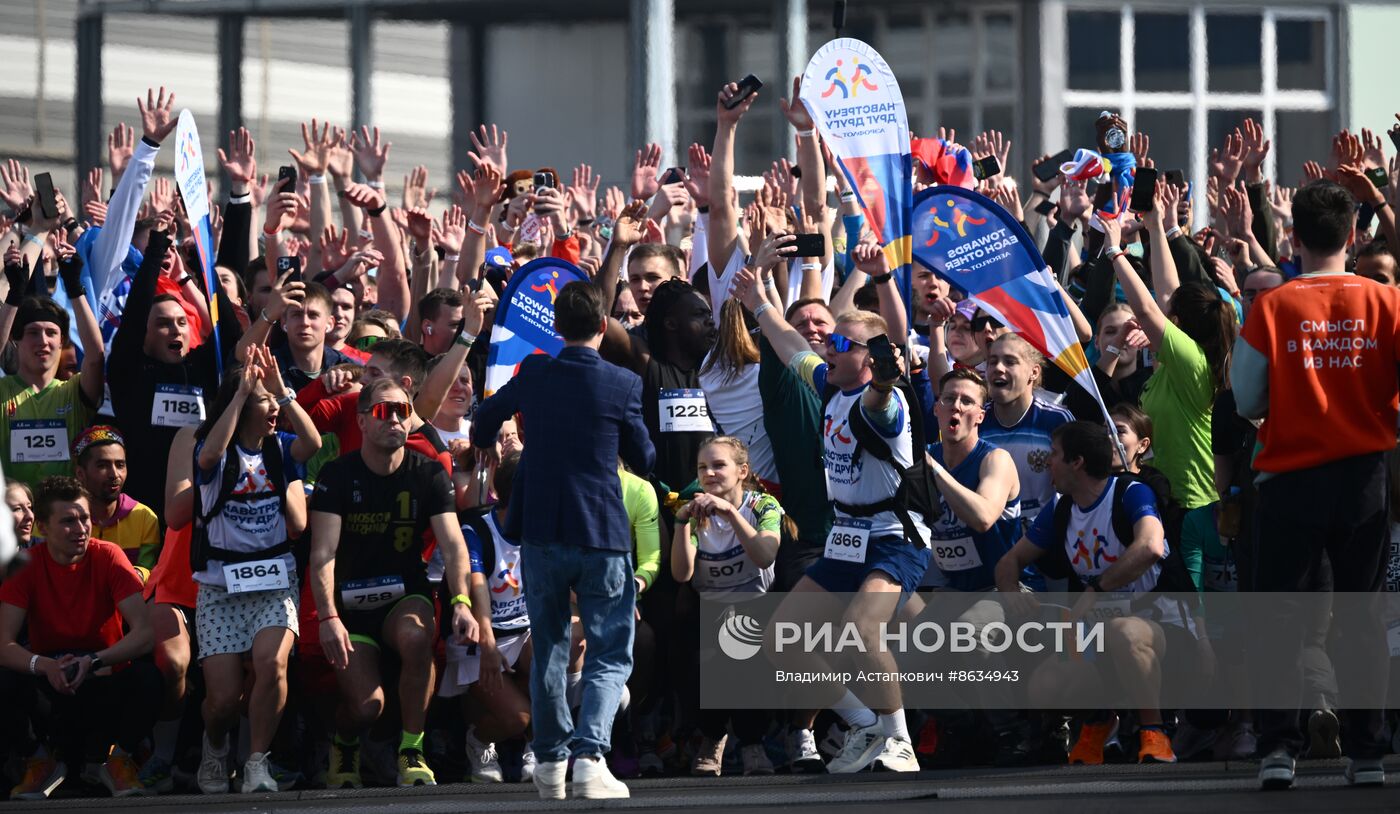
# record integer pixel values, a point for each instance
(602, 581)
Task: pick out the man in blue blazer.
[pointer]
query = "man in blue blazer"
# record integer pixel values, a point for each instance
(579, 413)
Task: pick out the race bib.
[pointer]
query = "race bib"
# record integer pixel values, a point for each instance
(371, 594)
(684, 411)
(177, 405)
(1219, 574)
(1109, 606)
(848, 540)
(38, 441)
(262, 575)
(956, 555)
(1392, 638)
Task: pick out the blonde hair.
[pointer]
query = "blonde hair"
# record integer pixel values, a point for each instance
(740, 451)
(735, 347)
(864, 318)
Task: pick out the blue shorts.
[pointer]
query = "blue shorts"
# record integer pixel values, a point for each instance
(892, 554)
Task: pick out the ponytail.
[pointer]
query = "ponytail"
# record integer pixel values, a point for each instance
(1209, 320)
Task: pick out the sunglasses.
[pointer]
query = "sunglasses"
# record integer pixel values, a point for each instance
(841, 343)
(390, 411)
(366, 342)
(981, 321)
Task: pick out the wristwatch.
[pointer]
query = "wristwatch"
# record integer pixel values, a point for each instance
(881, 279)
(96, 664)
(1093, 582)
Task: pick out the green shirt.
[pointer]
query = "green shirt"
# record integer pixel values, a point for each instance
(39, 427)
(643, 512)
(1178, 398)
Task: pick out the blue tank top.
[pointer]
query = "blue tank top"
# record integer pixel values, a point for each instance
(966, 559)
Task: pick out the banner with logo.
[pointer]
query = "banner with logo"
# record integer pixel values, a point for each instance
(853, 97)
(978, 247)
(525, 318)
(194, 191)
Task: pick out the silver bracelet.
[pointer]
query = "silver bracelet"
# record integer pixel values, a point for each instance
(34, 664)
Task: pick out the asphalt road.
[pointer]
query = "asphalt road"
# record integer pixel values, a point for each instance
(1201, 787)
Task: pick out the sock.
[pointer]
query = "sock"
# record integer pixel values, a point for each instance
(894, 726)
(411, 741)
(853, 712)
(165, 734)
(352, 742)
(573, 688)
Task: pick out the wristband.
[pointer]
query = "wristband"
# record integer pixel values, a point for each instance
(328, 618)
(375, 184)
(1379, 206)
(286, 398)
(35, 239)
(465, 339)
(508, 229)
(848, 197)
(462, 599)
(265, 318)
(377, 211)
(72, 223)
(758, 312)
(270, 232)
(315, 180)
(806, 133)
(472, 225)
(366, 234)
(881, 279)
(246, 197)
(1174, 233)
(184, 281)
(451, 258)
(811, 266)
(1112, 253)
(34, 664)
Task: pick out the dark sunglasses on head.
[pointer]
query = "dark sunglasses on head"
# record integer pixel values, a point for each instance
(981, 321)
(366, 342)
(841, 343)
(386, 410)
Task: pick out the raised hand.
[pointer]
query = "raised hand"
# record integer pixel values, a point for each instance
(120, 144)
(370, 153)
(627, 231)
(583, 193)
(1256, 149)
(162, 195)
(317, 146)
(870, 258)
(1138, 145)
(1281, 201)
(731, 116)
(281, 209)
(614, 200)
(335, 248)
(240, 163)
(1372, 154)
(487, 186)
(1074, 200)
(420, 226)
(17, 189)
(452, 231)
(340, 159)
(490, 147)
(1312, 171)
(158, 116)
(697, 174)
(785, 180)
(1230, 159)
(794, 110)
(1044, 187)
(416, 194)
(645, 167)
(96, 212)
(92, 187)
(364, 196)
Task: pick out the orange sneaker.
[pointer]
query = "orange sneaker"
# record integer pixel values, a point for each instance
(1088, 747)
(1154, 747)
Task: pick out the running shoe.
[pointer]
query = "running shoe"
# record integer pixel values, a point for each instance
(1276, 770)
(41, 776)
(157, 775)
(709, 758)
(756, 760)
(527, 765)
(121, 776)
(1191, 742)
(803, 757)
(414, 771)
(1239, 743)
(344, 771)
(212, 776)
(862, 745)
(1088, 747)
(593, 781)
(1154, 747)
(1324, 735)
(485, 763)
(897, 756)
(257, 774)
(1364, 772)
(287, 779)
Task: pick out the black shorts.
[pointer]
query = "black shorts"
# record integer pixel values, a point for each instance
(367, 627)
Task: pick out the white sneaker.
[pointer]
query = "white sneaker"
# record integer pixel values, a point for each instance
(803, 757)
(897, 756)
(593, 780)
(486, 766)
(527, 765)
(1361, 772)
(861, 746)
(756, 760)
(549, 778)
(1276, 770)
(212, 777)
(257, 774)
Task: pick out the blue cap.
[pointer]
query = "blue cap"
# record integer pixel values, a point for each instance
(499, 257)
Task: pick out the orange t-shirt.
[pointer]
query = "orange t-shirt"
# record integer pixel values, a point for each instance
(1332, 343)
(171, 581)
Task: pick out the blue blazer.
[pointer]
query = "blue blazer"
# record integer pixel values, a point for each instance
(579, 413)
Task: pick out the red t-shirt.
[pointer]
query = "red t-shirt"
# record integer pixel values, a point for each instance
(73, 607)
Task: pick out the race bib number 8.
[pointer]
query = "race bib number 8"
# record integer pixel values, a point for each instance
(263, 575)
(371, 594)
(849, 539)
(684, 411)
(38, 441)
(176, 405)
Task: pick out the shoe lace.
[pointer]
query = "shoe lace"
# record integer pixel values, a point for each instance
(412, 759)
(488, 753)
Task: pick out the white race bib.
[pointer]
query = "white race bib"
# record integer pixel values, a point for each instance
(684, 411)
(371, 594)
(177, 405)
(956, 555)
(1219, 574)
(1109, 606)
(849, 539)
(38, 441)
(262, 575)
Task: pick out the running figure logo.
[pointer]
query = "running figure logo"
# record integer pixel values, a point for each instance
(849, 88)
(956, 225)
(550, 285)
(1092, 560)
(508, 581)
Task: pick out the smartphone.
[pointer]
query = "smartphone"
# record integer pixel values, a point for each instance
(882, 358)
(1046, 206)
(809, 245)
(544, 180)
(985, 168)
(292, 264)
(748, 86)
(1378, 177)
(1102, 195)
(1144, 190)
(48, 199)
(287, 172)
(1176, 178)
(1050, 168)
(675, 175)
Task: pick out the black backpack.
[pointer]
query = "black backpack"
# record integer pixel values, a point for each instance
(1174, 576)
(917, 491)
(201, 551)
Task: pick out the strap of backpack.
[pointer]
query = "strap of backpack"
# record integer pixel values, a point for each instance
(478, 524)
